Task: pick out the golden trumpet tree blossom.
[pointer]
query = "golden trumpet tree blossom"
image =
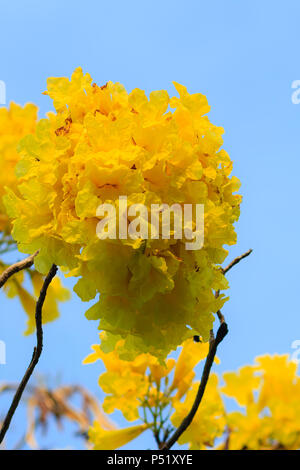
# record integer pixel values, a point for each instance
(103, 439)
(103, 143)
(269, 392)
(15, 123)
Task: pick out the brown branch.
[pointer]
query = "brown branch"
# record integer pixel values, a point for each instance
(221, 316)
(15, 268)
(222, 332)
(236, 261)
(224, 271)
(36, 352)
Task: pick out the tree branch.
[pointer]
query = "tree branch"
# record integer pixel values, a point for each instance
(36, 352)
(217, 293)
(222, 332)
(236, 261)
(15, 268)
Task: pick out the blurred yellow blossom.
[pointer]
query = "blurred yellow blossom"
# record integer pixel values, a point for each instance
(191, 354)
(242, 384)
(103, 439)
(15, 123)
(56, 293)
(270, 391)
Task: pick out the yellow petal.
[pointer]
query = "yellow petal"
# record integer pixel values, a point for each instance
(110, 440)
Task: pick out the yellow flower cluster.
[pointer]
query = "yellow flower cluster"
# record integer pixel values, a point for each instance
(268, 391)
(103, 143)
(15, 123)
(128, 383)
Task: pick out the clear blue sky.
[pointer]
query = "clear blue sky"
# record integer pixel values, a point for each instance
(244, 56)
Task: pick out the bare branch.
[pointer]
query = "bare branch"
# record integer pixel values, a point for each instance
(222, 332)
(15, 268)
(225, 270)
(221, 316)
(236, 261)
(36, 352)
(217, 293)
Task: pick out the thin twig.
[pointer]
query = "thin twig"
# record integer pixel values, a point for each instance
(224, 271)
(219, 313)
(36, 352)
(217, 293)
(15, 268)
(236, 261)
(222, 332)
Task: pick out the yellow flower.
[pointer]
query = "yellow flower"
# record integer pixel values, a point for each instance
(15, 123)
(159, 371)
(56, 293)
(248, 430)
(272, 415)
(268, 391)
(103, 143)
(191, 354)
(103, 439)
(124, 382)
(241, 385)
(209, 421)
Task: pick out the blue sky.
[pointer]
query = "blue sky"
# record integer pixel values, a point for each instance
(244, 57)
